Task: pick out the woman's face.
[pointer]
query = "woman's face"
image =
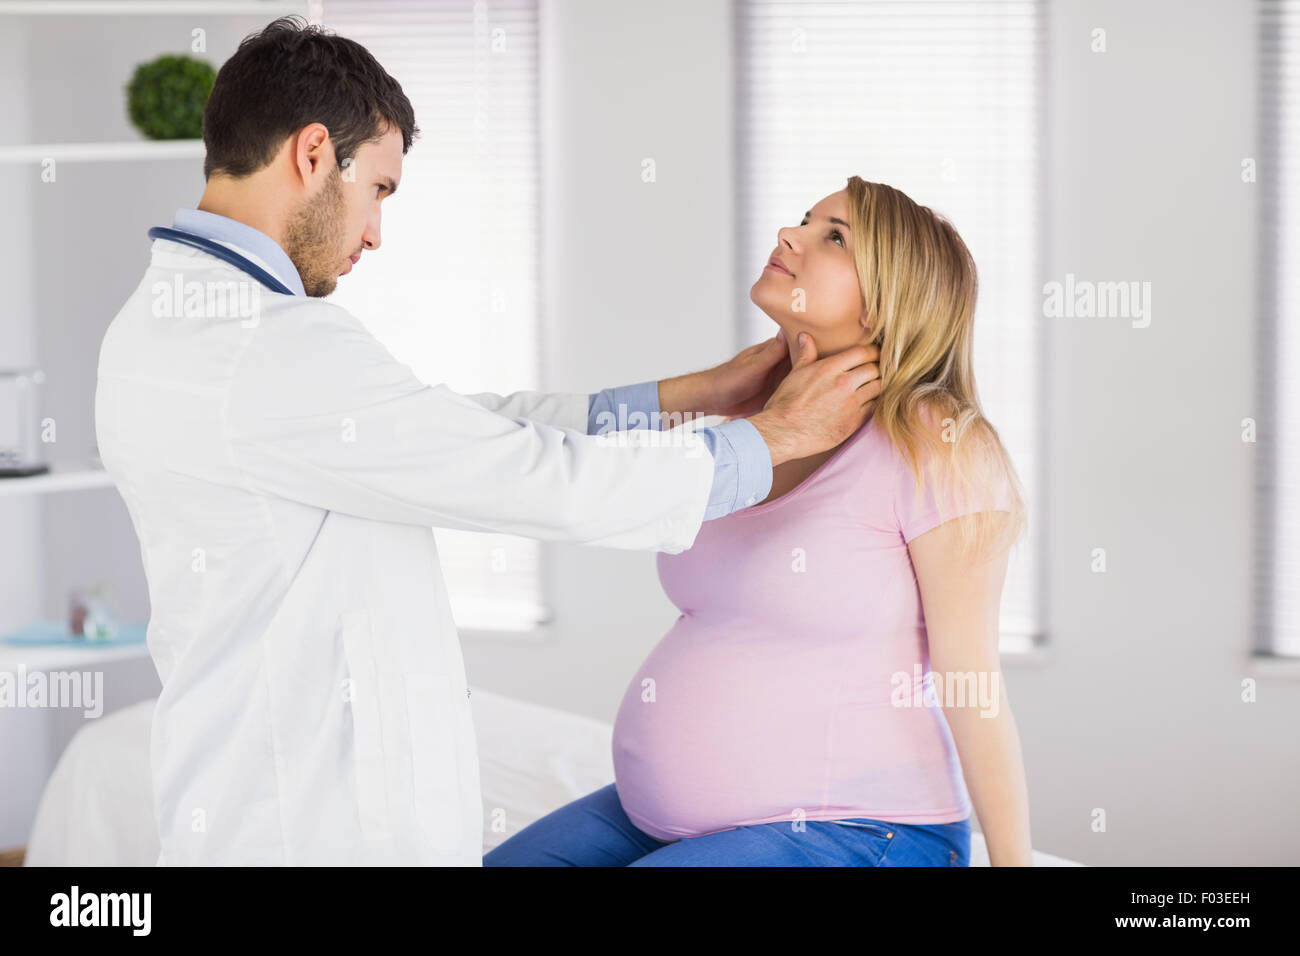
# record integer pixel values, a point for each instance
(818, 292)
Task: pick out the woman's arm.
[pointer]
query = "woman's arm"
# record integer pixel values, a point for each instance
(960, 601)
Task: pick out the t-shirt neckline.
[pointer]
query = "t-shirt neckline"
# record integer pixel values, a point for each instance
(811, 479)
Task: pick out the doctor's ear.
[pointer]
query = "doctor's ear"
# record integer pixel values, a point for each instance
(313, 150)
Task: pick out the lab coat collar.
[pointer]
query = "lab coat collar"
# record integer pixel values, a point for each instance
(232, 232)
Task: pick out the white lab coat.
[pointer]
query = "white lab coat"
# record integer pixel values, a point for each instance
(283, 478)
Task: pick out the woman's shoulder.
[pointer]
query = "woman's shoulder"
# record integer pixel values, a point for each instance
(888, 448)
(934, 477)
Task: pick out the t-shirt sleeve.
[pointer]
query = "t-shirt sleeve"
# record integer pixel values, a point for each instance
(941, 502)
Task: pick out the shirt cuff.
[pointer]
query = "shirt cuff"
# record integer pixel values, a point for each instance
(742, 467)
(624, 407)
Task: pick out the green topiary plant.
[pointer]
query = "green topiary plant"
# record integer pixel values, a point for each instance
(166, 96)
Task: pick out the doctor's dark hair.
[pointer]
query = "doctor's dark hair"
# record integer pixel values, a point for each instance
(291, 74)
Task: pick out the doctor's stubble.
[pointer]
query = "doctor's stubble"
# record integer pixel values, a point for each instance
(313, 239)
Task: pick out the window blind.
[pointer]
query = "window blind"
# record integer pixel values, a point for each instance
(942, 101)
(1277, 520)
(452, 291)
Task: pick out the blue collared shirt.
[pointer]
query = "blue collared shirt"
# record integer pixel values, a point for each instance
(224, 229)
(742, 471)
(742, 463)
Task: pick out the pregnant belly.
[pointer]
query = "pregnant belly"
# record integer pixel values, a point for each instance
(726, 726)
(716, 731)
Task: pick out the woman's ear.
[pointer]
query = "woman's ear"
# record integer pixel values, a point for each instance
(864, 320)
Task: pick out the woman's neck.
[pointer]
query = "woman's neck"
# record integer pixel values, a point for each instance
(792, 341)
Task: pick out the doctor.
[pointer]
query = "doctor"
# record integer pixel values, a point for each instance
(283, 472)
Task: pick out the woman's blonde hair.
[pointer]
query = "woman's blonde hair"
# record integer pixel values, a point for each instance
(919, 286)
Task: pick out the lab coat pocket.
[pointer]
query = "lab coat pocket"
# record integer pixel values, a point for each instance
(363, 696)
(434, 704)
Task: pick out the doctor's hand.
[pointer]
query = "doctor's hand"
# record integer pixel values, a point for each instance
(821, 402)
(742, 385)
(737, 388)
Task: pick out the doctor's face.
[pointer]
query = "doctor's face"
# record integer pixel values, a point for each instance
(811, 282)
(327, 235)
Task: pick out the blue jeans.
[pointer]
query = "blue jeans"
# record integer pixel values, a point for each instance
(594, 831)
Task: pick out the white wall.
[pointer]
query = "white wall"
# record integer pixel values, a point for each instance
(20, 567)
(1139, 712)
(1136, 709)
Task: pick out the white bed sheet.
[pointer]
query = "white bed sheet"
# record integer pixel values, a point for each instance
(97, 809)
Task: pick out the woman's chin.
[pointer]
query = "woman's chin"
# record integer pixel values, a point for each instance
(765, 306)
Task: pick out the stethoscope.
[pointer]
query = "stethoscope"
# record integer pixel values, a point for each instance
(221, 252)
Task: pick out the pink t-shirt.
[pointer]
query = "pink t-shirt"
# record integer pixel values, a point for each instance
(769, 700)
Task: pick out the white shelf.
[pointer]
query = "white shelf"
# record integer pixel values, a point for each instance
(160, 8)
(58, 478)
(103, 152)
(60, 657)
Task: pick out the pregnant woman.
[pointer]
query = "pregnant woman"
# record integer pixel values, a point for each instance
(831, 693)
